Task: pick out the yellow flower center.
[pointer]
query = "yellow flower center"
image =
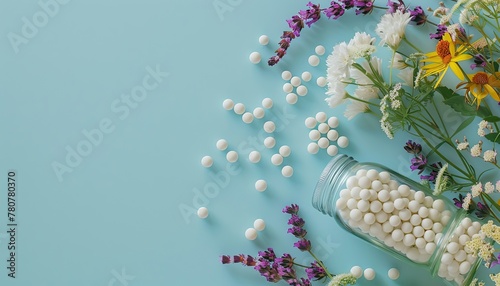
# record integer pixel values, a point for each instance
(480, 78)
(443, 51)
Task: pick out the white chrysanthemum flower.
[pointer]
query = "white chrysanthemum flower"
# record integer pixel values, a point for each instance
(366, 92)
(338, 63)
(476, 189)
(342, 280)
(476, 150)
(406, 75)
(391, 28)
(354, 108)
(361, 45)
(489, 188)
(490, 156)
(337, 93)
(398, 62)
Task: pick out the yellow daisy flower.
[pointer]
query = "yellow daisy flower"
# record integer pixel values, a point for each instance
(446, 56)
(481, 84)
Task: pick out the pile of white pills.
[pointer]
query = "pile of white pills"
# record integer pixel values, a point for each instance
(294, 87)
(400, 217)
(251, 233)
(455, 261)
(323, 134)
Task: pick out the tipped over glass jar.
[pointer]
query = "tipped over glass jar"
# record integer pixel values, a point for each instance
(394, 213)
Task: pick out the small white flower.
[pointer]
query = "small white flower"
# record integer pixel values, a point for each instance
(490, 156)
(406, 75)
(391, 28)
(476, 150)
(483, 124)
(398, 62)
(441, 181)
(354, 108)
(418, 78)
(476, 189)
(396, 104)
(481, 133)
(342, 280)
(489, 188)
(497, 186)
(361, 45)
(466, 202)
(452, 30)
(462, 146)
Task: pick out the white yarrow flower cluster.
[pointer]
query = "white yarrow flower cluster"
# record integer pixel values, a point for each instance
(477, 149)
(476, 189)
(342, 280)
(391, 28)
(489, 188)
(490, 156)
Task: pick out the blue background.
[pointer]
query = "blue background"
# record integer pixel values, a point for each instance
(119, 209)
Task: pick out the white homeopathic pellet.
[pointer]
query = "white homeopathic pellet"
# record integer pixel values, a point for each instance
(285, 150)
(319, 50)
(221, 144)
(306, 76)
(259, 112)
(313, 60)
(369, 273)
(393, 273)
(260, 185)
(333, 122)
(251, 233)
(321, 117)
(287, 171)
(239, 108)
(202, 212)
(321, 81)
(295, 81)
(356, 271)
(228, 104)
(232, 156)
(342, 142)
(254, 156)
(310, 122)
(291, 98)
(264, 40)
(332, 135)
(323, 143)
(314, 135)
(276, 159)
(207, 161)
(255, 57)
(312, 148)
(267, 103)
(301, 90)
(269, 142)
(287, 87)
(259, 224)
(247, 117)
(332, 150)
(323, 128)
(269, 126)
(286, 75)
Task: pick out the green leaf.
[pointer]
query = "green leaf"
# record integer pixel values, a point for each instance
(464, 124)
(493, 137)
(484, 112)
(492, 118)
(446, 92)
(459, 105)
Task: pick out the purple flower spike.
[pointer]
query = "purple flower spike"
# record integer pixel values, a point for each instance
(363, 6)
(482, 210)
(291, 209)
(295, 220)
(225, 259)
(433, 174)
(334, 11)
(393, 6)
(303, 245)
(441, 30)
(418, 163)
(348, 4)
(458, 202)
(286, 260)
(315, 272)
(418, 16)
(495, 261)
(296, 24)
(305, 282)
(298, 232)
(479, 61)
(268, 255)
(311, 15)
(413, 147)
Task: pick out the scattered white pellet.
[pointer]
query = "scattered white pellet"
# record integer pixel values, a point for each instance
(202, 212)
(321, 117)
(232, 156)
(323, 128)
(239, 108)
(251, 233)
(291, 98)
(260, 185)
(221, 144)
(207, 161)
(286, 75)
(259, 224)
(393, 273)
(306, 76)
(323, 143)
(287, 87)
(321, 81)
(287, 171)
(276, 159)
(263, 40)
(301, 90)
(313, 60)
(254, 156)
(267, 103)
(332, 150)
(333, 122)
(332, 135)
(310, 122)
(255, 57)
(228, 104)
(285, 151)
(319, 50)
(269, 126)
(259, 112)
(357, 271)
(269, 142)
(312, 148)
(342, 142)
(369, 273)
(247, 117)
(295, 81)
(314, 135)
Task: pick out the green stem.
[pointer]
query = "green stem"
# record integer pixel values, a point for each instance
(321, 264)
(300, 265)
(493, 203)
(411, 45)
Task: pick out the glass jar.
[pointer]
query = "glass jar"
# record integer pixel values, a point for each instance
(399, 216)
